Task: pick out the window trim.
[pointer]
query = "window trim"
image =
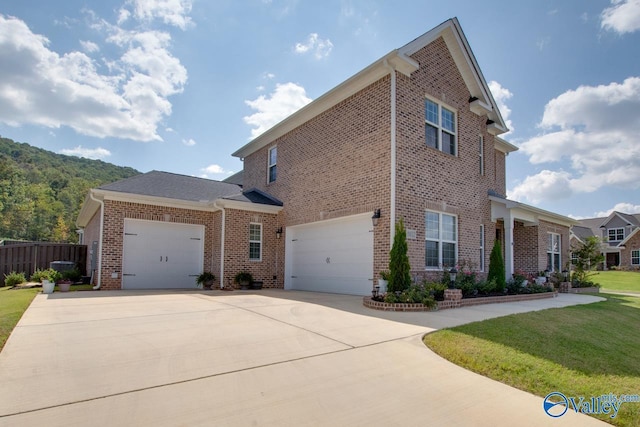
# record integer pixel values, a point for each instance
(259, 242)
(481, 153)
(482, 246)
(273, 165)
(616, 231)
(440, 239)
(439, 126)
(551, 266)
(637, 257)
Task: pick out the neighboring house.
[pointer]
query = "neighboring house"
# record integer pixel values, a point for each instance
(620, 236)
(413, 136)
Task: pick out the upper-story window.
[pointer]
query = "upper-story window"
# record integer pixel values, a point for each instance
(440, 127)
(441, 240)
(616, 234)
(273, 170)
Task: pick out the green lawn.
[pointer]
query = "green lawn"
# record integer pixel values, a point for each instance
(618, 281)
(586, 350)
(13, 302)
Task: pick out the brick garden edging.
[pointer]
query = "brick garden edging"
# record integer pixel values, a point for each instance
(466, 302)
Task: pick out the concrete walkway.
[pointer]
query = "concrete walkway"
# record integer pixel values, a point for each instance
(270, 358)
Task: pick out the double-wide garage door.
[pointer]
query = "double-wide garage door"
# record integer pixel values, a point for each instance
(331, 256)
(161, 255)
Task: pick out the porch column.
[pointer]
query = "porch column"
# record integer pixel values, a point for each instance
(508, 243)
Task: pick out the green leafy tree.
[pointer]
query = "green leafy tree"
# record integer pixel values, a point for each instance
(587, 256)
(496, 267)
(399, 267)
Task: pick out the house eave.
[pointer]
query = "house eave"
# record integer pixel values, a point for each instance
(504, 146)
(527, 214)
(349, 87)
(248, 206)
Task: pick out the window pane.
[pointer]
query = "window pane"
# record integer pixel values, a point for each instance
(448, 120)
(431, 254)
(272, 173)
(273, 156)
(254, 232)
(448, 143)
(448, 227)
(556, 262)
(448, 254)
(431, 112)
(254, 250)
(432, 225)
(431, 135)
(549, 242)
(549, 261)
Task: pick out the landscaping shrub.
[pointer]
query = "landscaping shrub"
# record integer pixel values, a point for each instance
(436, 290)
(496, 267)
(74, 275)
(49, 274)
(399, 267)
(13, 279)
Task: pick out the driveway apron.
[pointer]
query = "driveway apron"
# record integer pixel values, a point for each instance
(240, 358)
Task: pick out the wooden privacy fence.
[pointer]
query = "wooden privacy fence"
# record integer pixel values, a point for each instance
(25, 258)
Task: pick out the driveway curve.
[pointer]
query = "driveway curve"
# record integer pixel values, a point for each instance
(270, 358)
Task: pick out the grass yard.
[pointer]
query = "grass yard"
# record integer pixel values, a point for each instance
(585, 350)
(618, 281)
(13, 302)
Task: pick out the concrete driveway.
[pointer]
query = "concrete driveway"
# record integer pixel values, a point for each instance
(271, 358)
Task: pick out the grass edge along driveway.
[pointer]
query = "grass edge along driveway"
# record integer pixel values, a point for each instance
(13, 304)
(585, 350)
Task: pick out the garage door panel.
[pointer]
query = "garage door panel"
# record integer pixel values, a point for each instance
(158, 255)
(332, 256)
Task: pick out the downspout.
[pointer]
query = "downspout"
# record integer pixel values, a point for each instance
(222, 227)
(392, 210)
(99, 282)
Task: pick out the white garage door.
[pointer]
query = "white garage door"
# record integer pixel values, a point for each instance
(331, 256)
(161, 255)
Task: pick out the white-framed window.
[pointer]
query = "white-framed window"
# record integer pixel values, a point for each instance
(272, 165)
(554, 261)
(440, 127)
(441, 240)
(481, 263)
(635, 257)
(481, 154)
(616, 234)
(574, 258)
(255, 242)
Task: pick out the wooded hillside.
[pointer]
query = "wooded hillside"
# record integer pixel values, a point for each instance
(41, 192)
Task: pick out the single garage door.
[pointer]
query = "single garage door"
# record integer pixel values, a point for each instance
(331, 256)
(161, 255)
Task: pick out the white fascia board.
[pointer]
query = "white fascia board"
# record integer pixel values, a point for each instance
(204, 205)
(525, 212)
(495, 129)
(349, 87)
(87, 211)
(480, 108)
(248, 206)
(504, 146)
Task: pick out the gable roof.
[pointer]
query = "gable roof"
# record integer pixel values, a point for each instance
(595, 225)
(399, 59)
(173, 186)
(581, 232)
(628, 218)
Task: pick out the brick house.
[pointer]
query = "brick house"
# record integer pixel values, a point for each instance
(415, 135)
(620, 236)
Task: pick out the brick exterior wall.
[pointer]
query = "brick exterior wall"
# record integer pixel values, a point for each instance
(530, 246)
(115, 214)
(632, 244)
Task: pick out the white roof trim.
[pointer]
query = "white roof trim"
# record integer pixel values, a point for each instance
(531, 214)
(504, 146)
(248, 206)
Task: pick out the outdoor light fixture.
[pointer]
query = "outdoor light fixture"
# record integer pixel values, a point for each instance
(375, 217)
(546, 275)
(279, 232)
(453, 273)
(565, 273)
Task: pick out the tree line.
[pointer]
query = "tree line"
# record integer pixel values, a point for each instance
(41, 192)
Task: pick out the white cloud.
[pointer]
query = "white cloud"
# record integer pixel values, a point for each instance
(593, 130)
(89, 153)
(628, 208)
(42, 87)
(171, 12)
(189, 142)
(89, 46)
(546, 185)
(623, 16)
(215, 171)
(501, 95)
(286, 99)
(314, 44)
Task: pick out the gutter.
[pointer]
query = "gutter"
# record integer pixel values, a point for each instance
(222, 230)
(101, 203)
(392, 213)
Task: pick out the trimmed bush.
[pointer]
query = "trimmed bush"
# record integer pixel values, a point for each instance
(399, 267)
(13, 279)
(496, 268)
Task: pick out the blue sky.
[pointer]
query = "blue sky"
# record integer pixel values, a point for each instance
(178, 85)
